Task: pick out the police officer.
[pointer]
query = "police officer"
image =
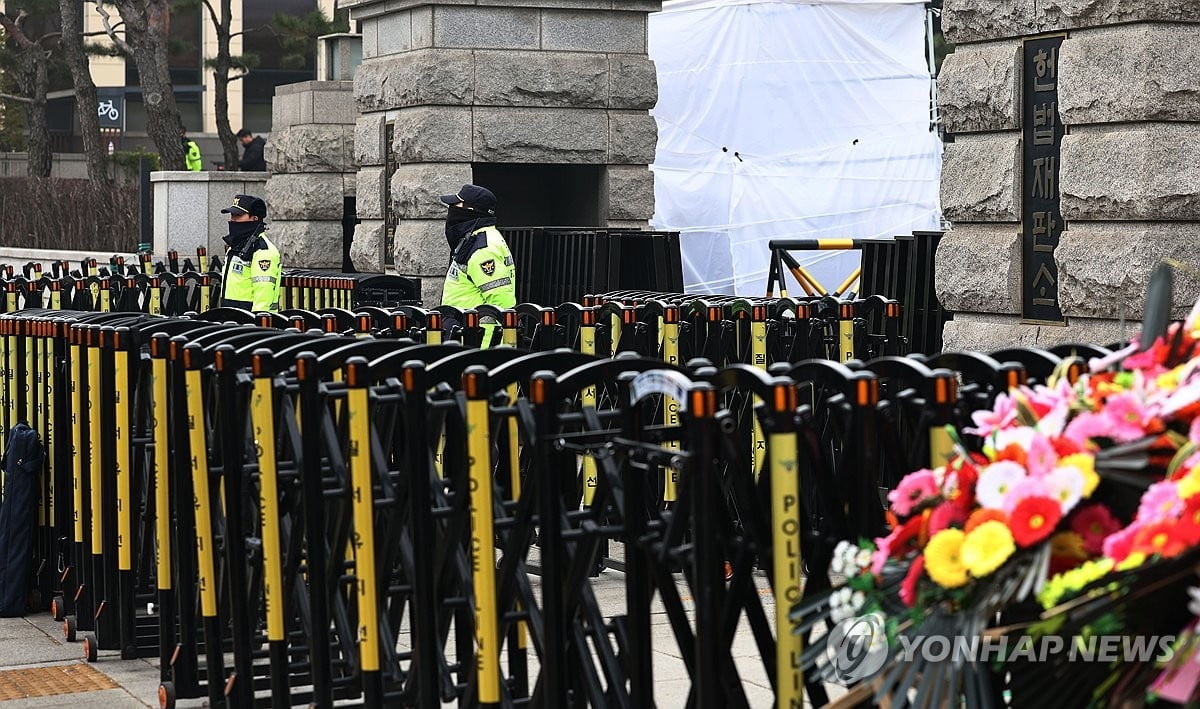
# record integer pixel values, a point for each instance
(191, 153)
(481, 266)
(252, 266)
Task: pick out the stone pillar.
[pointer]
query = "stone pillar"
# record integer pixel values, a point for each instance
(1129, 188)
(547, 82)
(311, 159)
(187, 208)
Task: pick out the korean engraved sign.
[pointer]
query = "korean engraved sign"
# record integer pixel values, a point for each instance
(1041, 217)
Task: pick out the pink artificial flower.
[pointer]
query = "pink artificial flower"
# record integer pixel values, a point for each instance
(996, 481)
(1160, 502)
(1053, 423)
(1002, 415)
(879, 557)
(1194, 432)
(1087, 426)
(914, 489)
(1029, 487)
(1129, 417)
(1043, 399)
(1041, 456)
(1119, 545)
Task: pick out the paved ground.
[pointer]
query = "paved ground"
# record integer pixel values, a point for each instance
(27, 644)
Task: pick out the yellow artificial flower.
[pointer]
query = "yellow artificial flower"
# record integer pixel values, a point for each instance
(987, 547)
(1068, 544)
(1132, 561)
(1169, 380)
(1085, 464)
(1189, 484)
(943, 559)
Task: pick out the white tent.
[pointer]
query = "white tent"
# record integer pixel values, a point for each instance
(790, 119)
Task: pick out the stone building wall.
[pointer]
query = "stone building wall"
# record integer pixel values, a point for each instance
(1129, 98)
(310, 155)
(536, 81)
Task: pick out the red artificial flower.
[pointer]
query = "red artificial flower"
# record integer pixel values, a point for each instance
(1188, 527)
(984, 514)
(945, 515)
(964, 486)
(1094, 523)
(900, 541)
(908, 587)
(1064, 446)
(1159, 538)
(1034, 519)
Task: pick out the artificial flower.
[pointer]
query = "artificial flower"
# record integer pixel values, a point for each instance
(986, 547)
(1159, 538)
(895, 544)
(1093, 524)
(914, 489)
(1069, 545)
(1189, 485)
(1160, 501)
(1024, 489)
(1134, 560)
(908, 587)
(1086, 465)
(984, 514)
(1188, 525)
(946, 515)
(1119, 545)
(1066, 485)
(943, 559)
(1002, 415)
(995, 482)
(1073, 581)
(1040, 457)
(1033, 519)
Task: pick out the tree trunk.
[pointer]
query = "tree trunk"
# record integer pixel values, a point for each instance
(85, 89)
(221, 68)
(35, 114)
(147, 27)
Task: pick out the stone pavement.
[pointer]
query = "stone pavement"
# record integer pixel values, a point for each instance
(37, 642)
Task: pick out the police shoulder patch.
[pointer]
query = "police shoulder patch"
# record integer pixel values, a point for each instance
(264, 264)
(489, 266)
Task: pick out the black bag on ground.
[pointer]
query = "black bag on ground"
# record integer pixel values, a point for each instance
(22, 467)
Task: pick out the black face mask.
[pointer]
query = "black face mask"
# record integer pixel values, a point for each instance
(461, 221)
(240, 233)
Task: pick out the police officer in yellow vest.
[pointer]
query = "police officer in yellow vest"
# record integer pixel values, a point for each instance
(191, 153)
(481, 266)
(252, 264)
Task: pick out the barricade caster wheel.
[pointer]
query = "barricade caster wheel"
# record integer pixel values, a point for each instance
(166, 695)
(68, 628)
(89, 647)
(58, 608)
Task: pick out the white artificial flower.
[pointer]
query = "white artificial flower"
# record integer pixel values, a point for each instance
(863, 558)
(858, 600)
(835, 566)
(1066, 486)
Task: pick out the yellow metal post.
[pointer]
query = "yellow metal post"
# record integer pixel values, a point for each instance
(483, 553)
(783, 459)
(121, 434)
(162, 478)
(587, 345)
(199, 449)
(76, 434)
(359, 411)
(758, 358)
(670, 328)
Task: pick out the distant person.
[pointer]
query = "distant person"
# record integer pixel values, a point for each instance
(252, 265)
(481, 270)
(252, 157)
(191, 153)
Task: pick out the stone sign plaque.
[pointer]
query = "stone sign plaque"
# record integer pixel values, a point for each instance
(1041, 218)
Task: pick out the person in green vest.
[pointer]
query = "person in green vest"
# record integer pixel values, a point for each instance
(481, 266)
(252, 264)
(191, 153)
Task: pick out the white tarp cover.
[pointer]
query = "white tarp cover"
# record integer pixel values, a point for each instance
(782, 119)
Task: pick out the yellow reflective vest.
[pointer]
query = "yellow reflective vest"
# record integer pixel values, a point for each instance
(482, 272)
(253, 284)
(194, 163)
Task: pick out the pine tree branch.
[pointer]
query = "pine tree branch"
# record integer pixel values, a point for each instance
(18, 99)
(212, 13)
(106, 19)
(13, 29)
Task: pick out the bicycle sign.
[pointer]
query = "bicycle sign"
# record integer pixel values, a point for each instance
(110, 108)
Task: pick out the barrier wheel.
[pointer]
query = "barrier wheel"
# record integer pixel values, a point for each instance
(58, 608)
(68, 628)
(89, 647)
(166, 695)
